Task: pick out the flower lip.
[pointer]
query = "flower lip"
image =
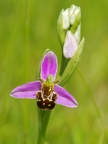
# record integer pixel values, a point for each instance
(49, 65)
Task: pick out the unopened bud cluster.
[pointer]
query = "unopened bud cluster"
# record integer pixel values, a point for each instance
(68, 26)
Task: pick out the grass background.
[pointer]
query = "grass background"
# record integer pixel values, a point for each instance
(27, 28)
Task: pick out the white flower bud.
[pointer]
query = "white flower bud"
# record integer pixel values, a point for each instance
(65, 17)
(78, 33)
(70, 45)
(75, 14)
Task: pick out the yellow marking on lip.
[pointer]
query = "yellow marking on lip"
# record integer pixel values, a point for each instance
(49, 104)
(38, 100)
(43, 103)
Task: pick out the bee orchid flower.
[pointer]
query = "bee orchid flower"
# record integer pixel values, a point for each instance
(46, 90)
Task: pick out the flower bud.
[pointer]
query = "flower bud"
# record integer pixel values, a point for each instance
(69, 29)
(63, 24)
(75, 16)
(70, 45)
(66, 21)
(78, 33)
(69, 19)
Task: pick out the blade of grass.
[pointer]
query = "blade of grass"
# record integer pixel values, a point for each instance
(94, 104)
(26, 102)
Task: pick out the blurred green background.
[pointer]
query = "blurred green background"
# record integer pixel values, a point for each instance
(27, 28)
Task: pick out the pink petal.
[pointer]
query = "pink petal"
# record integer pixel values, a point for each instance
(26, 90)
(64, 97)
(49, 65)
(70, 45)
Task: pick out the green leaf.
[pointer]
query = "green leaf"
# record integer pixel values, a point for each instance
(72, 64)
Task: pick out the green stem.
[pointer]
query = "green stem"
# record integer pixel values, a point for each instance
(43, 119)
(41, 135)
(64, 63)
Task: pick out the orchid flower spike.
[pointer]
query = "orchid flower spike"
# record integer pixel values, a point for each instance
(46, 90)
